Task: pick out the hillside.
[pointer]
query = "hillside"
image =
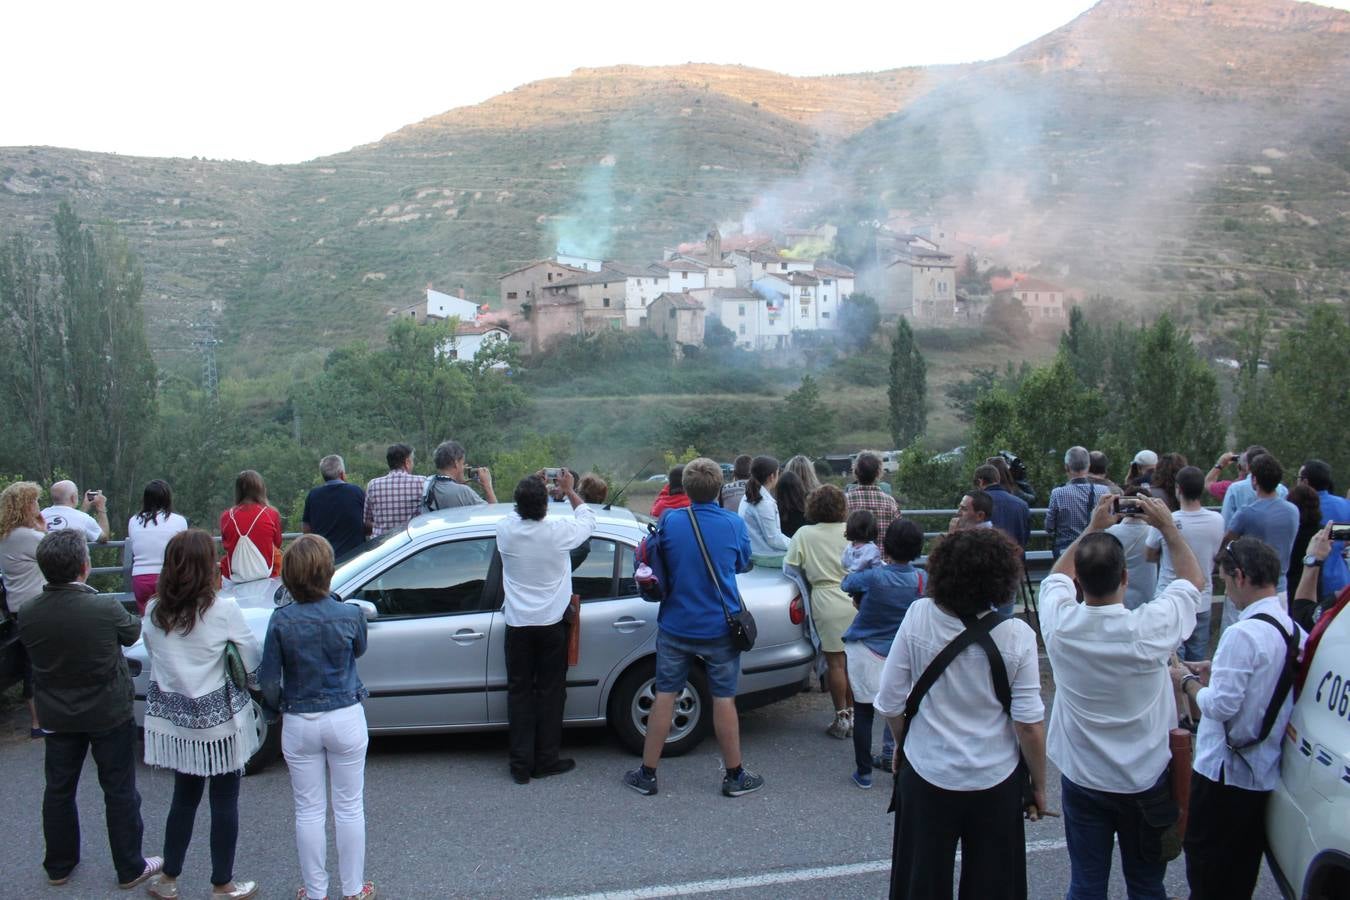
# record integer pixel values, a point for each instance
(1189, 154)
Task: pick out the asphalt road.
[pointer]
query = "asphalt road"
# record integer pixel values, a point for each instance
(445, 820)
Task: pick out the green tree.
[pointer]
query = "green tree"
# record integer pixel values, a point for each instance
(908, 391)
(802, 423)
(859, 318)
(1300, 406)
(1172, 402)
(30, 353)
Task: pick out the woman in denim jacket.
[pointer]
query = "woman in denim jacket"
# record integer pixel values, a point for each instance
(309, 673)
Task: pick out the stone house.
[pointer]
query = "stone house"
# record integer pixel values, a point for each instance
(921, 284)
(678, 317)
(601, 294)
(523, 286)
(554, 317)
(1043, 301)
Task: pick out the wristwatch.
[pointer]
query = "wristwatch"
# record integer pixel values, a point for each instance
(1311, 561)
(1185, 678)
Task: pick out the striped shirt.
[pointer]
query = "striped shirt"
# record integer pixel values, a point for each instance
(392, 500)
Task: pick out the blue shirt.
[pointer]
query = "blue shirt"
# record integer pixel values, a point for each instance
(1011, 516)
(691, 608)
(1334, 573)
(1274, 521)
(334, 510)
(1070, 510)
(309, 657)
(887, 593)
(1240, 494)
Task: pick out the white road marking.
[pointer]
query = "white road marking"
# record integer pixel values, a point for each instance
(767, 879)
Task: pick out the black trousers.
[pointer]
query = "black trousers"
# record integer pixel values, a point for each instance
(115, 756)
(536, 680)
(1225, 839)
(187, 796)
(929, 821)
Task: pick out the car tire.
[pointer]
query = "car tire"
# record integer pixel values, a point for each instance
(270, 748)
(632, 697)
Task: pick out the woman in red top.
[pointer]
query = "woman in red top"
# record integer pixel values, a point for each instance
(672, 496)
(253, 516)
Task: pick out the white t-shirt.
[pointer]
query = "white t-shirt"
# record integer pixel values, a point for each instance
(961, 739)
(536, 567)
(1114, 702)
(147, 542)
(59, 517)
(1134, 534)
(1203, 531)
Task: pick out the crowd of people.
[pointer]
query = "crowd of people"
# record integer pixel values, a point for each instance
(933, 651)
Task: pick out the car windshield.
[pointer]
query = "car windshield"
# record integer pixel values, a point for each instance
(355, 560)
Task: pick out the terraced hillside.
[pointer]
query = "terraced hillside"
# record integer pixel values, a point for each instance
(1193, 154)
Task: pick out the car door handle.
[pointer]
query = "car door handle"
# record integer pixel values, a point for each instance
(628, 624)
(465, 636)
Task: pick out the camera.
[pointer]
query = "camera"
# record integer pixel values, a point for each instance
(90, 495)
(1127, 506)
(551, 475)
(1340, 531)
(471, 473)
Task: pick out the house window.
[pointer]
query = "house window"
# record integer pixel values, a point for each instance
(824, 315)
(672, 312)
(740, 309)
(684, 276)
(804, 312)
(606, 302)
(453, 353)
(782, 267)
(829, 281)
(510, 295)
(742, 328)
(550, 276)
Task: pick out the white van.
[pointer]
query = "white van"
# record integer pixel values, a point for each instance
(1308, 818)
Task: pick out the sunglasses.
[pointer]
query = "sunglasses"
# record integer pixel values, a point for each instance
(1232, 555)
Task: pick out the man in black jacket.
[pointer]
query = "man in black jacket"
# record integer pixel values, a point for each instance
(83, 692)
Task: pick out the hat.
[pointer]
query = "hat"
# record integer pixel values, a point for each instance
(1146, 458)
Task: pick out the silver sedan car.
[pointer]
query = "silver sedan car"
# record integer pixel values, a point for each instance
(432, 597)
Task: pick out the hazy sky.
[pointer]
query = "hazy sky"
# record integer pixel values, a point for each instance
(285, 80)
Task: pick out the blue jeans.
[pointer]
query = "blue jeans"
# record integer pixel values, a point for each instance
(1092, 819)
(674, 656)
(187, 796)
(1196, 647)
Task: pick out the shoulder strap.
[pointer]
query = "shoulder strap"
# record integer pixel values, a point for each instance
(976, 629)
(429, 494)
(1282, 686)
(707, 560)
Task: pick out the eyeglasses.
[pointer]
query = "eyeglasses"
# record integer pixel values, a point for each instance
(1232, 555)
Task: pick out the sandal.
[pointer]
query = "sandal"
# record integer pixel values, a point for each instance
(367, 892)
(302, 894)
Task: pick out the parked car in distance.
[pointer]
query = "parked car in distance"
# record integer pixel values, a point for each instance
(1308, 815)
(432, 596)
(659, 478)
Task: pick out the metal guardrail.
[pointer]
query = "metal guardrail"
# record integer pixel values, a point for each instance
(124, 569)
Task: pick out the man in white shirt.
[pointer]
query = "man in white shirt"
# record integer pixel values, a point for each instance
(1114, 702)
(537, 581)
(64, 514)
(1237, 751)
(1202, 530)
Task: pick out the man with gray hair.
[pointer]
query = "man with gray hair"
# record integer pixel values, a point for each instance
(63, 512)
(82, 687)
(1071, 504)
(334, 509)
(447, 488)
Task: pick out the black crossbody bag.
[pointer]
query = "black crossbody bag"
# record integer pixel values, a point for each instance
(742, 624)
(977, 632)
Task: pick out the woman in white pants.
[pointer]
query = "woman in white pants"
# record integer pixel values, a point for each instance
(309, 674)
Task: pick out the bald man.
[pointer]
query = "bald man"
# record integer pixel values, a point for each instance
(63, 513)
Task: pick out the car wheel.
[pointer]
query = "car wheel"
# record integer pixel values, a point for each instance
(269, 747)
(631, 701)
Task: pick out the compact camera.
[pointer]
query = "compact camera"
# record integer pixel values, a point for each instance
(551, 475)
(471, 473)
(1340, 531)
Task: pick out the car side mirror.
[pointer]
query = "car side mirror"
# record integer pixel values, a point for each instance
(367, 609)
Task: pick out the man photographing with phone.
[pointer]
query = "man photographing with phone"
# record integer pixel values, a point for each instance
(64, 514)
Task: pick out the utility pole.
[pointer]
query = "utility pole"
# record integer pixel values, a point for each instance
(206, 344)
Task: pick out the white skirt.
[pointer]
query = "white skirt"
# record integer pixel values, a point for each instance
(864, 671)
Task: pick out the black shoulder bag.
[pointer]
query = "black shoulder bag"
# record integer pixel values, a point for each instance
(1282, 687)
(977, 631)
(742, 624)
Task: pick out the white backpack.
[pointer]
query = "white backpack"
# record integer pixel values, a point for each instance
(247, 562)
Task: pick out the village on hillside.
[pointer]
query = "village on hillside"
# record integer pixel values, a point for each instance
(766, 289)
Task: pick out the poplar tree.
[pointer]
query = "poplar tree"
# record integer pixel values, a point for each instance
(908, 389)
